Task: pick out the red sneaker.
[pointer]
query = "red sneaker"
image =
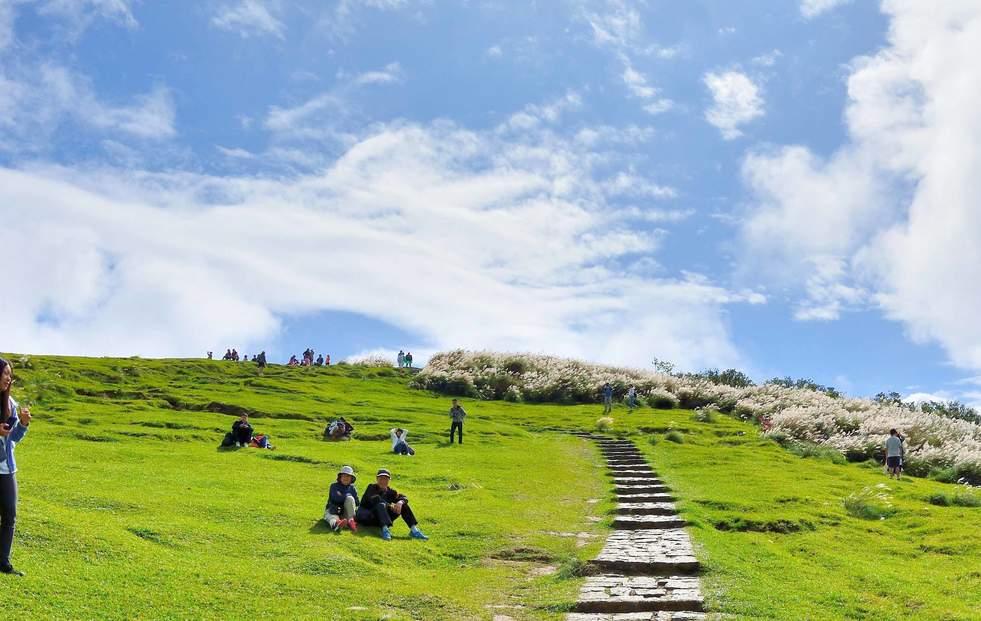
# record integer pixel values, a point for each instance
(341, 523)
(352, 525)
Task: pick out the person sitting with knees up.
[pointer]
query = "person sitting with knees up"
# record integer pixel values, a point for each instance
(342, 501)
(400, 446)
(381, 505)
(242, 431)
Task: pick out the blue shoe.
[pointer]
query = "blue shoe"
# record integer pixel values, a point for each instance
(386, 533)
(415, 533)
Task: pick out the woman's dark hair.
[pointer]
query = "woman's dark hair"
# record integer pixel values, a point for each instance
(5, 395)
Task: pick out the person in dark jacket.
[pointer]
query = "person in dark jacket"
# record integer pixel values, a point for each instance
(14, 422)
(381, 505)
(342, 501)
(242, 431)
(457, 414)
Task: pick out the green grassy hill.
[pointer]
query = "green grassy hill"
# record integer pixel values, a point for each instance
(128, 509)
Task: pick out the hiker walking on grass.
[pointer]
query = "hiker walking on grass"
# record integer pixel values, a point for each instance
(342, 501)
(261, 361)
(400, 445)
(457, 414)
(895, 452)
(381, 506)
(631, 399)
(14, 421)
(607, 391)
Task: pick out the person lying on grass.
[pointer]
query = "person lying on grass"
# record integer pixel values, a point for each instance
(400, 445)
(342, 501)
(381, 505)
(339, 429)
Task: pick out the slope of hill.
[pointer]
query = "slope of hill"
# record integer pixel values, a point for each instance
(128, 509)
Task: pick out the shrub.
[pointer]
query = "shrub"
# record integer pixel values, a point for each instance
(604, 424)
(871, 503)
(705, 416)
(653, 440)
(941, 500)
(816, 451)
(966, 499)
(944, 475)
(513, 394)
(674, 436)
(661, 399)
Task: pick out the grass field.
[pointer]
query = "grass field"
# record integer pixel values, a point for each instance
(129, 510)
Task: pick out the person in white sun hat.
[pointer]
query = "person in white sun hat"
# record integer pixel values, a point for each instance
(342, 501)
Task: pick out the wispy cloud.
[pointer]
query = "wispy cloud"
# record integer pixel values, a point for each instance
(249, 18)
(812, 8)
(512, 231)
(736, 101)
(235, 153)
(391, 73)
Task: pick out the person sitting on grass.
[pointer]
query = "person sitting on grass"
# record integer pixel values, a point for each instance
(320, 360)
(381, 505)
(342, 501)
(242, 431)
(400, 446)
(894, 453)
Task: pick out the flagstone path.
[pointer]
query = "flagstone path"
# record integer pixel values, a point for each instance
(647, 571)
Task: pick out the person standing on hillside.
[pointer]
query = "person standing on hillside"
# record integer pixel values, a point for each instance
(342, 501)
(14, 422)
(401, 359)
(607, 391)
(895, 452)
(408, 359)
(457, 414)
(261, 361)
(381, 506)
(631, 399)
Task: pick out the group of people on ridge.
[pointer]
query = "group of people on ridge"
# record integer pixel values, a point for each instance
(404, 359)
(380, 505)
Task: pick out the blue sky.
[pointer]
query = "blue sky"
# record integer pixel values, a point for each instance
(786, 187)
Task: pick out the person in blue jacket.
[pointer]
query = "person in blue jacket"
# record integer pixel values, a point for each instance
(14, 422)
(342, 501)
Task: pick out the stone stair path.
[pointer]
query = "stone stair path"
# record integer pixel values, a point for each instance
(647, 571)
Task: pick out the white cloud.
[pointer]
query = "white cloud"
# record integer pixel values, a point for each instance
(494, 51)
(82, 12)
(235, 153)
(341, 20)
(736, 101)
(534, 115)
(813, 8)
(511, 244)
(249, 18)
(769, 59)
(629, 184)
(6, 24)
(37, 99)
(391, 73)
(898, 202)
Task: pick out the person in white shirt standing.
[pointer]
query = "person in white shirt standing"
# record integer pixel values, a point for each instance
(894, 453)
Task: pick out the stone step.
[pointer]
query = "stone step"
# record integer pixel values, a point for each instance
(641, 489)
(645, 497)
(648, 475)
(618, 467)
(646, 552)
(647, 480)
(614, 593)
(626, 461)
(662, 615)
(636, 522)
(646, 508)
